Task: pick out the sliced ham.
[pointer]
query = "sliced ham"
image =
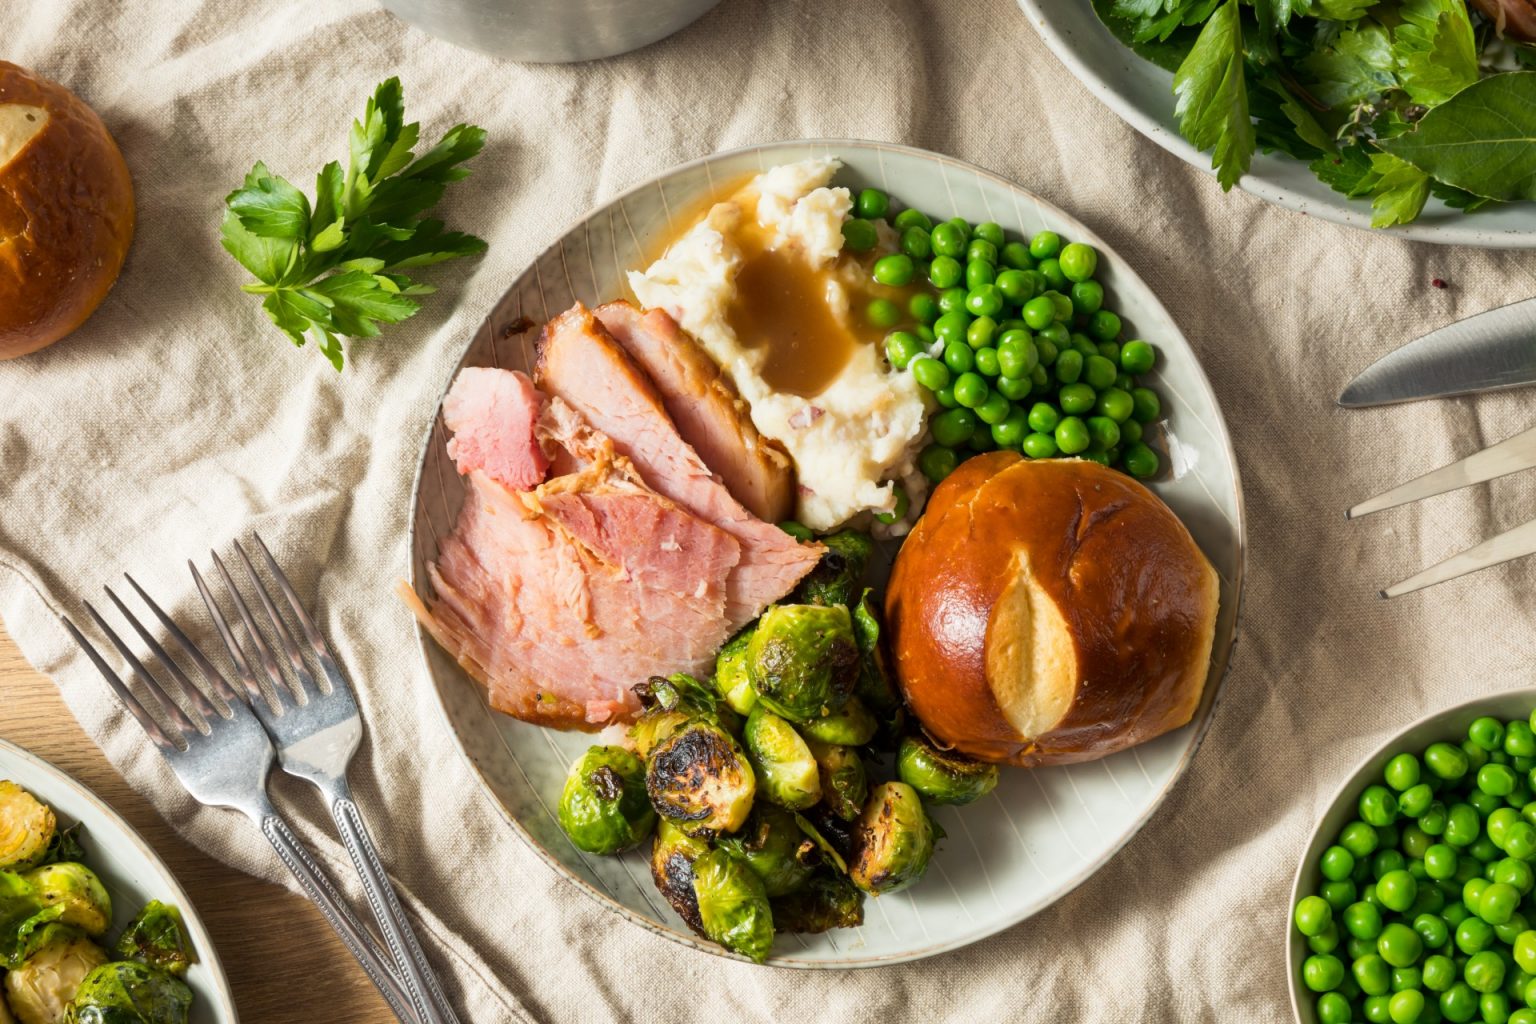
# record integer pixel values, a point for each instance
(707, 411)
(580, 363)
(492, 414)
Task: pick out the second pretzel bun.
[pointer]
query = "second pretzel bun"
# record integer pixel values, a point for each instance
(1051, 611)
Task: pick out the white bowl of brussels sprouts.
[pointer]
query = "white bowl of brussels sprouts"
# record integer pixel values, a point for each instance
(1390, 916)
(123, 882)
(1039, 833)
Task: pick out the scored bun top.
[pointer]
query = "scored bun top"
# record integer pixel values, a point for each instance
(1049, 611)
(66, 211)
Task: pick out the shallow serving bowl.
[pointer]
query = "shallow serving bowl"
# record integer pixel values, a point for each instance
(1043, 832)
(132, 873)
(1142, 94)
(1449, 724)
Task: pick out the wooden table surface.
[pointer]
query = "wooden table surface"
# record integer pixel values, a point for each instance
(283, 962)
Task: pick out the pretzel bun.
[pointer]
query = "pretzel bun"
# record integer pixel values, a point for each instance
(1044, 612)
(66, 211)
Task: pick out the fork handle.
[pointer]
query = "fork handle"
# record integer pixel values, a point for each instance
(415, 970)
(312, 879)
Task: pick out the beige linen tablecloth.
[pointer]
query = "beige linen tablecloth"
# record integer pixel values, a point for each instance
(177, 419)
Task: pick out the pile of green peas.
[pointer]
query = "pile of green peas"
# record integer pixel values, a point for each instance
(1012, 339)
(1425, 912)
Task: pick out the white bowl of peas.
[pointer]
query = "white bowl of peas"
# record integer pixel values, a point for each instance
(1415, 901)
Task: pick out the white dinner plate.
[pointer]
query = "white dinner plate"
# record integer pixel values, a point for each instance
(1142, 94)
(1043, 831)
(130, 870)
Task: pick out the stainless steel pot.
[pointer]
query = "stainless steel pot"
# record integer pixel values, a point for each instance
(550, 31)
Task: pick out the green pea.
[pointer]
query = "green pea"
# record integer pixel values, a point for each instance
(1402, 772)
(898, 511)
(1104, 431)
(986, 362)
(910, 218)
(1137, 357)
(882, 313)
(981, 251)
(1050, 270)
(895, 270)
(1486, 803)
(1462, 823)
(1507, 931)
(1040, 445)
(1524, 1015)
(1072, 435)
(1044, 244)
(948, 239)
(1372, 974)
(1431, 928)
(1440, 861)
(1357, 837)
(1140, 461)
(1361, 920)
(1519, 741)
(1376, 1009)
(1039, 312)
(1474, 935)
(1076, 399)
(872, 203)
(1016, 355)
(985, 300)
(990, 232)
(1322, 972)
(1333, 1008)
(1115, 404)
(1439, 973)
(1016, 255)
(901, 347)
(1415, 800)
(923, 307)
(1104, 325)
(1494, 1007)
(1014, 389)
(1500, 820)
(980, 332)
(859, 235)
(960, 359)
(970, 389)
(994, 409)
(1378, 806)
(1040, 377)
(1455, 913)
(945, 396)
(930, 373)
(953, 427)
(1520, 840)
(945, 271)
(1069, 367)
(1477, 756)
(978, 273)
(1498, 903)
(1043, 417)
(1099, 372)
(1047, 350)
(1079, 261)
(1516, 873)
(1484, 972)
(1010, 434)
(1458, 1003)
(1313, 915)
(1397, 890)
(1148, 407)
(1496, 779)
(1017, 286)
(953, 328)
(1434, 818)
(1111, 350)
(1487, 733)
(1399, 945)
(1064, 311)
(936, 462)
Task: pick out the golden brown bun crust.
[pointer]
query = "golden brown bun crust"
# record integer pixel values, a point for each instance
(1137, 596)
(66, 217)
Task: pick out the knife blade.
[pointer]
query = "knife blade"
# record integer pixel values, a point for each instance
(1486, 352)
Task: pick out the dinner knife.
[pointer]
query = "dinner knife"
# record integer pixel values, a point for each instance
(1489, 351)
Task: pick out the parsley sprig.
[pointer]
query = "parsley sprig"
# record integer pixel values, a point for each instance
(333, 267)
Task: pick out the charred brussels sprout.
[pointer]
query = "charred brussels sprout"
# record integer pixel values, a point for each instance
(673, 852)
(158, 938)
(130, 993)
(71, 894)
(835, 579)
(786, 771)
(943, 777)
(892, 842)
(732, 679)
(874, 686)
(653, 726)
(604, 807)
(772, 845)
(853, 726)
(671, 702)
(827, 901)
(27, 827)
(831, 835)
(733, 905)
(844, 782)
(39, 990)
(803, 660)
(700, 778)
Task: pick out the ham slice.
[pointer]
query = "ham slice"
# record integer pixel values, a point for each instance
(580, 363)
(492, 414)
(704, 406)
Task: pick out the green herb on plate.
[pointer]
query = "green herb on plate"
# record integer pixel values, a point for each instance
(334, 267)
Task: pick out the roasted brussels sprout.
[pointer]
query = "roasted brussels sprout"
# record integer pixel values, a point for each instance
(772, 844)
(874, 687)
(733, 905)
(654, 725)
(700, 778)
(71, 894)
(836, 578)
(5, 1011)
(825, 902)
(673, 852)
(39, 989)
(158, 938)
(852, 726)
(844, 782)
(831, 836)
(803, 660)
(892, 842)
(130, 993)
(786, 771)
(27, 827)
(943, 777)
(604, 807)
(732, 679)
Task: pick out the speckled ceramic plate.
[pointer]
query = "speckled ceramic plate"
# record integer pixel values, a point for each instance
(130, 870)
(1042, 832)
(1142, 93)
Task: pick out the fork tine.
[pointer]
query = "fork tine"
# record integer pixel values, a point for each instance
(120, 690)
(311, 631)
(1510, 455)
(284, 634)
(215, 679)
(172, 710)
(1509, 545)
(247, 678)
(189, 692)
(264, 652)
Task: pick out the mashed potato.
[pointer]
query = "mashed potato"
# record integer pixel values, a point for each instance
(861, 429)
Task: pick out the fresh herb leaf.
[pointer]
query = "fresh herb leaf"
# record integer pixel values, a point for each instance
(332, 269)
(1355, 66)
(1436, 50)
(1400, 191)
(1333, 10)
(1482, 140)
(1213, 95)
(1349, 171)
(1459, 199)
(1282, 122)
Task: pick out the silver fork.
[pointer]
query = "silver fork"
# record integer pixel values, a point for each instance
(223, 756)
(317, 728)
